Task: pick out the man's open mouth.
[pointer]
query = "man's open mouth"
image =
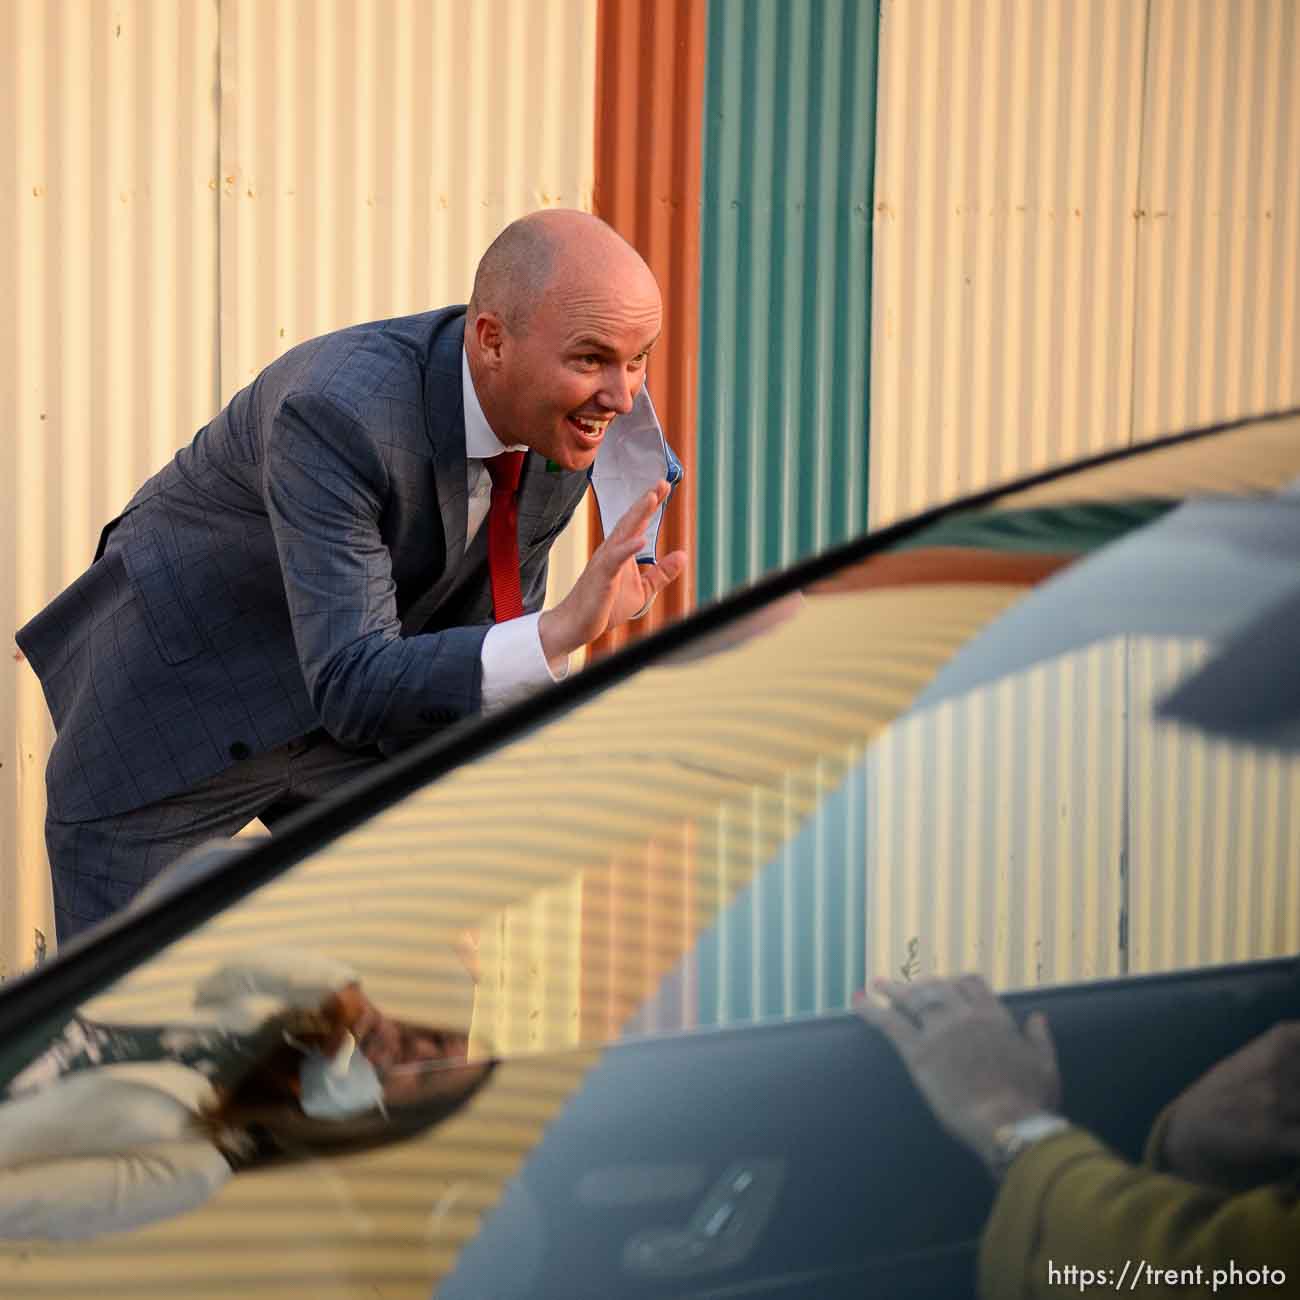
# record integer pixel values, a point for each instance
(590, 431)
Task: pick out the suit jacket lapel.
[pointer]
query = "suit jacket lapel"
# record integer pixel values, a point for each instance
(447, 434)
(540, 506)
(450, 471)
(537, 501)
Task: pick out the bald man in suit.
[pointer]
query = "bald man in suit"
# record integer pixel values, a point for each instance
(305, 587)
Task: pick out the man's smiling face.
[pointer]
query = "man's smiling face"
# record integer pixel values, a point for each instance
(579, 360)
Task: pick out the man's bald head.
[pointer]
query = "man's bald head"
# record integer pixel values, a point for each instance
(554, 248)
(559, 331)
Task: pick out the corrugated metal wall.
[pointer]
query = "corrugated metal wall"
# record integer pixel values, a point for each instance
(1215, 848)
(1008, 154)
(201, 185)
(649, 107)
(1218, 214)
(793, 942)
(785, 282)
(1086, 231)
(1047, 829)
(372, 149)
(995, 830)
(1086, 235)
(109, 352)
(1038, 831)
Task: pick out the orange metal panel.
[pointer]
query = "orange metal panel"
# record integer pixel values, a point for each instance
(649, 107)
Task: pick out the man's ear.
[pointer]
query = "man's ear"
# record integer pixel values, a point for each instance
(489, 334)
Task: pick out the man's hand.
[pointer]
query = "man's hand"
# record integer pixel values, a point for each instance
(1238, 1125)
(967, 1056)
(613, 587)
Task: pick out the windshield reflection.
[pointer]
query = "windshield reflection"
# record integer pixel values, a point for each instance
(285, 1058)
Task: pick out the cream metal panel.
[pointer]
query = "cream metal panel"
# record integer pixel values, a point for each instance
(1087, 233)
(1218, 215)
(1005, 248)
(1215, 854)
(337, 148)
(529, 964)
(372, 149)
(110, 352)
(995, 829)
(1107, 846)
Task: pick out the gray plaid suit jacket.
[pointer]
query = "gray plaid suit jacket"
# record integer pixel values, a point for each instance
(300, 564)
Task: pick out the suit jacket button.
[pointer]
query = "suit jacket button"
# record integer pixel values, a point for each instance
(239, 750)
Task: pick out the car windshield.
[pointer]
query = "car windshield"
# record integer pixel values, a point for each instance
(1030, 737)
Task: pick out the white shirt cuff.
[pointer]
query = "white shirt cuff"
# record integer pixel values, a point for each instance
(513, 663)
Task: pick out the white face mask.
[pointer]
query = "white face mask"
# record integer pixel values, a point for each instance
(341, 1087)
(631, 461)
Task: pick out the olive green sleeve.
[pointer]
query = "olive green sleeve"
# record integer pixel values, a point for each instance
(1070, 1202)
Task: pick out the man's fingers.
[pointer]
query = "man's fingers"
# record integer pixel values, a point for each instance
(672, 566)
(886, 988)
(897, 1028)
(638, 513)
(615, 552)
(655, 577)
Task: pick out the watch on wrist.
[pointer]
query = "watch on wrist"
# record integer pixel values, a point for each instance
(1009, 1140)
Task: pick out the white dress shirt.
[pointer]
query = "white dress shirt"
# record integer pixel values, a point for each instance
(513, 663)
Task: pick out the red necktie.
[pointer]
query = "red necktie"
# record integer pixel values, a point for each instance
(503, 534)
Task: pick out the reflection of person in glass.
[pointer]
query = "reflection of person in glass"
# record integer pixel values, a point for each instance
(113, 1126)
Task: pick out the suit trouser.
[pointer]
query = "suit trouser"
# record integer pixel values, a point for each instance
(98, 866)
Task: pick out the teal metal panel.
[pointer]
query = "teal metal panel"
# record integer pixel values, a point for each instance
(789, 139)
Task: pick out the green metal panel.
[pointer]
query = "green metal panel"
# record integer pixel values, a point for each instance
(789, 139)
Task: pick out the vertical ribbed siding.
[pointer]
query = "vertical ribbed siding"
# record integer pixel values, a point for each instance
(638, 916)
(785, 283)
(649, 107)
(21, 911)
(1004, 251)
(997, 830)
(358, 178)
(530, 974)
(1218, 214)
(1215, 852)
(372, 149)
(1087, 231)
(1002, 822)
(111, 362)
(203, 185)
(792, 942)
(1041, 830)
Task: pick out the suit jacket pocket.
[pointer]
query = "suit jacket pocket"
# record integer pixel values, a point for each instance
(171, 622)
